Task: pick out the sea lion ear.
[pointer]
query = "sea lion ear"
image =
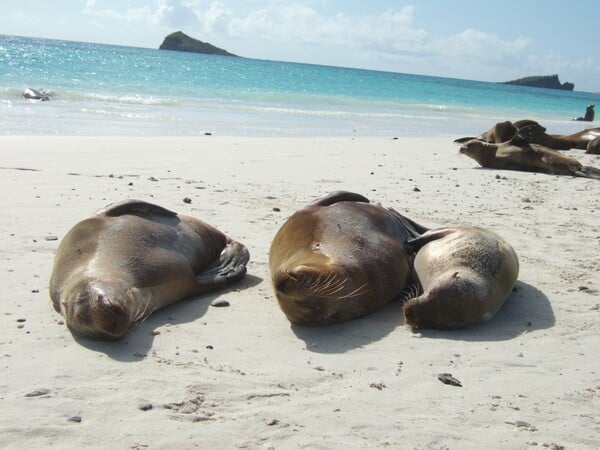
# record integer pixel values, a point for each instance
(135, 207)
(339, 196)
(462, 140)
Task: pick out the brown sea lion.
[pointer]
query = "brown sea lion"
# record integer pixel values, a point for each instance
(339, 258)
(466, 274)
(536, 134)
(525, 157)
(116, 267)
(589, 114)
(593, 146)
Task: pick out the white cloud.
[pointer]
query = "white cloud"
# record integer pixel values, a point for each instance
(387, 40)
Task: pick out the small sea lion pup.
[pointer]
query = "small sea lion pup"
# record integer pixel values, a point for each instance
(339, 258)
(466, 274)
(116, 267)
(519, 155)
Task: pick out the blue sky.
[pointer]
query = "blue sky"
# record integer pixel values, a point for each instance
(477, 40)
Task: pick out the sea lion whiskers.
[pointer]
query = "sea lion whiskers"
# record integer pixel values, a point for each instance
(411, 292)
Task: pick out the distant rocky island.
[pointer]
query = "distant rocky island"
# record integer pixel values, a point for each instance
(181, 42)
(543, 81)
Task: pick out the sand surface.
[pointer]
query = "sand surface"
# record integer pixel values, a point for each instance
(242, 376)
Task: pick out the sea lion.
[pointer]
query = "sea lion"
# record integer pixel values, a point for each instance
(589, 114)
(593, 146)
(116, 267)
(339, 258)
(466, 274)
(525, 157)
(35, 94)
(505, 131)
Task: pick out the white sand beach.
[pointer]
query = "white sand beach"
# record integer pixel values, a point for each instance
(242, 376)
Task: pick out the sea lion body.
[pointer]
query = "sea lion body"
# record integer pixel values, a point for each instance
(525, 157)
(339, 258)
(466, 274)
(115, 268)
(589, 114)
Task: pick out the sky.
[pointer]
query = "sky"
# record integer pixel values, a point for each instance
(474, 40)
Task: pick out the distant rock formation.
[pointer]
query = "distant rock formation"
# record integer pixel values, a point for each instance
(544, 81)
(181, 42)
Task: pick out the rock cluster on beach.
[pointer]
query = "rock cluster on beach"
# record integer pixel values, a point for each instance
(543, 81)
(181, 42)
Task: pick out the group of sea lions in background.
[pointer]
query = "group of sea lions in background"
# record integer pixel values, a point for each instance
(525, 145)
(339, 258)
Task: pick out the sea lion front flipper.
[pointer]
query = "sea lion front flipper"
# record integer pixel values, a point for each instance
(417, 243)
(588, 172)
(339, 196)
(462, 140)
(230, 266)
(527, 134)
(135, 207)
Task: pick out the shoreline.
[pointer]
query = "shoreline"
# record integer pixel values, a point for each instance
(242, 376)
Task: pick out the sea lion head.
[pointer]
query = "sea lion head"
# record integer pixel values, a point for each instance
(97, 310)
(474, 147)
(318, 294)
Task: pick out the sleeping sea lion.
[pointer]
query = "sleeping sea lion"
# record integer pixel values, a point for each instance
(525, 157)
(339, 258)
(466, 274)
(116, 267)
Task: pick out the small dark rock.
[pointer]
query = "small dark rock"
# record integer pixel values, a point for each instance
(219, 303)
(583, 288)
(38, 392)
(447, 378)
(210, 347)
(416, 189)
(272, 422)
(207, 134)
(276, 209)
(21, 320)
(35, 291)
(130, 183)
(76, 419)
(187, 200)
(145, 406)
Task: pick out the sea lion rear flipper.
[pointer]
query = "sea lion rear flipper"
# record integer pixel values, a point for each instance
(339, 196)
(588, 172)
(414, 228)
(135, 207)
(417, 243)
(462, 140)
(527, 134)
(230, 266)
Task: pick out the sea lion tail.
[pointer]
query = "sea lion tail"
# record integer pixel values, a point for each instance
(588, 172)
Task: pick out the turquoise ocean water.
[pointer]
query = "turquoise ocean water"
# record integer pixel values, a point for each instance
(103, 89)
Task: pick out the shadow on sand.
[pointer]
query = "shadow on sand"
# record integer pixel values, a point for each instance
(138, 342)
(526, 310)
